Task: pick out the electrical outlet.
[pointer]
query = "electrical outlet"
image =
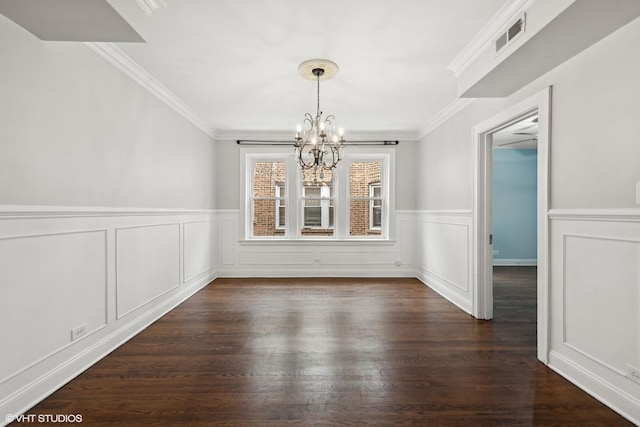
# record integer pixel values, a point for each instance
(633, 374)
(78, 332)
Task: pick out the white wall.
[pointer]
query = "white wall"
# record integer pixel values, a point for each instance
(106, 212)
(228, 174)
(77, 132)
(595, 222)
(321, 259)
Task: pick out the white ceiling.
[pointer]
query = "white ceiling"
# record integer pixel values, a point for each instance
(523, 134)
(234, 62)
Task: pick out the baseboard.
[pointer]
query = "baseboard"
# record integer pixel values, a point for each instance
(618, 400)
(25, 398)
(392, 271)
(444, 290)
(515, 262)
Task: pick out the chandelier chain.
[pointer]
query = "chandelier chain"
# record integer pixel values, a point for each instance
(318, 91)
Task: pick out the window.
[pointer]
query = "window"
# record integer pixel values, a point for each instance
(366, 198)
(267, 198)
(351, 202)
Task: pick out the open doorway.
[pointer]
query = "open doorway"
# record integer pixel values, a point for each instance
(514, 216)
(482, 246)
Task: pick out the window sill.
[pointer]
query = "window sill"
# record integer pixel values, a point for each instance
(317, 241)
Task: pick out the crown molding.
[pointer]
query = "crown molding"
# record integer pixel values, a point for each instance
(508, 12)
(445, 114)
(112, 54)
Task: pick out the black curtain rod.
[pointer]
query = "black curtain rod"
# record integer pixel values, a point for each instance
(347, 143)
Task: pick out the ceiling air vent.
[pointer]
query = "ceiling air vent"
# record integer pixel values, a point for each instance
(512, 33)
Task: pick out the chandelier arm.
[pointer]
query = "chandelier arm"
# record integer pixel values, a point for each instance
(304, 165)
(304, 148)
(334, 162)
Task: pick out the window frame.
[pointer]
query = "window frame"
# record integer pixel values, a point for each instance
(372, 205)
(281, 203)
(294, 200)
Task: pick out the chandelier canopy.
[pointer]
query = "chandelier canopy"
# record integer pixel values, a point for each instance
(318, 143)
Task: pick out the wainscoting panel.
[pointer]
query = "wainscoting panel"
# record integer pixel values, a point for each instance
(607, 282)
(407, 233)
(445, 254)
(229, 231)
(198, 243)
(147, 264)
(276, 256)
(361, 257)
(320, 258)
(83, 269)
(595, 304)
(42, 297)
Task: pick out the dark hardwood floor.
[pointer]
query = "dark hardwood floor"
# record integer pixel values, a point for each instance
(271, 352)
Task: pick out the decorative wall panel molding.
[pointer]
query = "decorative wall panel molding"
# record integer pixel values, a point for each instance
(602, 275)
(44, 297)
(361, 257)
(277, 257)
(198, 249)
(58, 273)
(147, 264)
(321, 258)
(595, 303)
(445, 254)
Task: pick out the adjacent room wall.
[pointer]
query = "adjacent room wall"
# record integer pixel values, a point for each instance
(594, 219)
(106, 212)
(514, 206)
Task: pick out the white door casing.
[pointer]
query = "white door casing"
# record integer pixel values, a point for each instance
(482, 277)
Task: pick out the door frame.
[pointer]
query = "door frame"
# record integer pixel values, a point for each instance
(482, 250)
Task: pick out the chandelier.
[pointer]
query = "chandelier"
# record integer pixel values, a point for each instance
(318, 143)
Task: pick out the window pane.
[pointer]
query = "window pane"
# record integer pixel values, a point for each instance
(365, 191)
(281, 217)
(312, 216)
(376, 219)
(362, 175)
(267, 176)
(268, 182)
(264, 218)
(322, 177)
(317, 210)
